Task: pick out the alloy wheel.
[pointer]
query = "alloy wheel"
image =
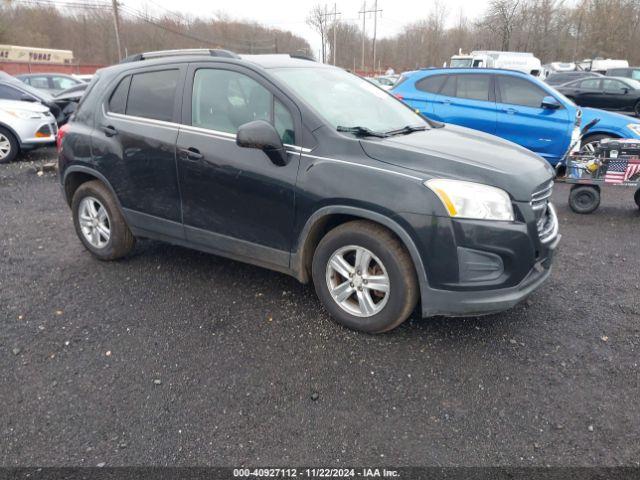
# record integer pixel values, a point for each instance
(358, 281)
(94, 222)
(5, 147)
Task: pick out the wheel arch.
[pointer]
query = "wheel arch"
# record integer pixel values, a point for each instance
(327, 218)
(12, 132)
(602, 132)
(76, 175)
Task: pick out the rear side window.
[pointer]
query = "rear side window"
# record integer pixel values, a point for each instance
(152, 95)
(590, 83)
(474, 87)
(118, 100)
(39, 82)
(517, 91)
(431, 84)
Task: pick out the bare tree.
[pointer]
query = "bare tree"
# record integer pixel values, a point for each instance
(317, 19)
(502, 16)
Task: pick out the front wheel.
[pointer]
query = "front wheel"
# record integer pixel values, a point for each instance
(584, 198)
(591, 142)
(364, 277)
(9, 147)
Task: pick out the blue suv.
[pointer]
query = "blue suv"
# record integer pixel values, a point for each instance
(511, 105)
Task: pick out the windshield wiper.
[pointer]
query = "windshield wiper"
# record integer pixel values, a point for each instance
(361, 131)
(407, 130)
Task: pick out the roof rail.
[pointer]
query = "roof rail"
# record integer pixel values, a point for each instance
(214, 52)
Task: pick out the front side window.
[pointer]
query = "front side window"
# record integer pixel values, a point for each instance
(613, 86)
(474, 87)
(517, 91)
(346, 100)
(152, 95)
(224, 100)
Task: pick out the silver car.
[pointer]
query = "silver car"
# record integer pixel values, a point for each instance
(24, 126)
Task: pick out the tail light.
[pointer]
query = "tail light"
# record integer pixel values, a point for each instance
(398, 96)
(62, 131)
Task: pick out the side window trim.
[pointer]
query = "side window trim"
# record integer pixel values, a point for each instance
(185, 118)
(175, 121)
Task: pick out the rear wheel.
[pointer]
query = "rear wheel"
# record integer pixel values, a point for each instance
(364, 277)
(99, 223)
(9, 146)
(584, 198)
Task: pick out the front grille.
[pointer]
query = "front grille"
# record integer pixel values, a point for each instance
(545, 214)
(548, 225)
(540, 197)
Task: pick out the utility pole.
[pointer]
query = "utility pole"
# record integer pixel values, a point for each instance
(364, 26)
(375, 28)
(334, 24)
(116, 23)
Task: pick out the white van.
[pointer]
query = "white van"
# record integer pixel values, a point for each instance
(520, 61)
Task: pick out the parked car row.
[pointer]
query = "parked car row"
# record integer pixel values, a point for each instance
(32, 107)
(512, 105)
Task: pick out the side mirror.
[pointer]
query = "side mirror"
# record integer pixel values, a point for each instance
(263, 136)
(550, 103)
(625, 90)
(27, 98)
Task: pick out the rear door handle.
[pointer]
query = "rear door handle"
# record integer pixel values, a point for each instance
(109, 130)
(191, 153)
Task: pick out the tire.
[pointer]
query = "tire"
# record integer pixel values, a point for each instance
(9, 146)
(590, 142)
(584, 198)
(389, 259)
(120, 240)
(636, 197)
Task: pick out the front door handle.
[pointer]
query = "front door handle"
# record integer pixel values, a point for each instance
(109, 130)
(191, 153)
(510, 111)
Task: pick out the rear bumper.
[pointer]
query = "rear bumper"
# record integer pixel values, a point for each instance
(471, 303)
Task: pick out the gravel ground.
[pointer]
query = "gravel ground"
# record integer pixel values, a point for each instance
(174, 357)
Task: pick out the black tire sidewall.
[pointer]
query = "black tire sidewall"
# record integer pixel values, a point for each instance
(593, 138)
(581, 191)
(13, 142)
(636, 197)
(117, 226)
(398, 292)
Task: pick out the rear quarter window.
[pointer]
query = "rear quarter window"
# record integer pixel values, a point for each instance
(118, 100)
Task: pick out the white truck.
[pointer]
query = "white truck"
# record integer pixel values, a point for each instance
(601, 65)
(521, 61)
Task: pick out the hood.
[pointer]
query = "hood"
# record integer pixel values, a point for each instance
(29, 106)
(464, 154)
(607, 118)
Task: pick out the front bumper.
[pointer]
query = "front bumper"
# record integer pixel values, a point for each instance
(483, 302)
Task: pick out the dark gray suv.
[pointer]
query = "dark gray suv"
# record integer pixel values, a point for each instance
(309, 170)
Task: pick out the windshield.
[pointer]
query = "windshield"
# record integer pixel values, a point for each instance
(461, 62)
(346, 100)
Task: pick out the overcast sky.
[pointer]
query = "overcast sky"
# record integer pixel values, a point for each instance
(291, 14)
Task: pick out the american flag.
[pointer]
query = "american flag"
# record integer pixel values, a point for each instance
(621, 170)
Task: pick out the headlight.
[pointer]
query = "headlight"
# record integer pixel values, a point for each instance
(634, 127)
(24, 114)
(472, 200)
